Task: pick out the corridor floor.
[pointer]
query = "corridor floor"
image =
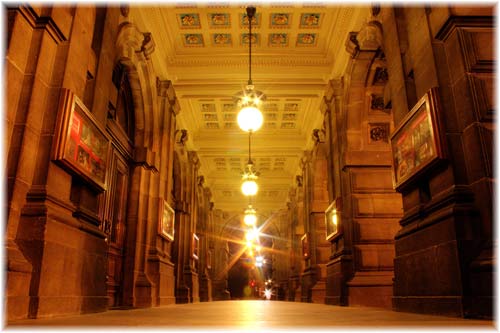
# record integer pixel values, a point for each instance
(252, 315)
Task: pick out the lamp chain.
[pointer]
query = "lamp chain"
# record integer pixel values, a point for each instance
(250, 14)
(249, 149)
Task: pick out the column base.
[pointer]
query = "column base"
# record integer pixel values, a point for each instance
(373, 289)
(436, 305)
(318, 292)
(18, 283)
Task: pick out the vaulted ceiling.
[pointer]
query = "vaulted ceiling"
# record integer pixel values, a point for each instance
(203, 49)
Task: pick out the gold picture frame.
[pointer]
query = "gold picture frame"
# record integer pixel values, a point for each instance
(196, 247)
(333, 220)
(166, 221)
(306, 249)
(80, 145)
(418, 142)
(209, 259)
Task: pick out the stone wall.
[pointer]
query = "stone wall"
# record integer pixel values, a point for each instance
(68, 53)
(445, 235)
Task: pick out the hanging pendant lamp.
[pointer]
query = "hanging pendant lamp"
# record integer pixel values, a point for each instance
(250, 118)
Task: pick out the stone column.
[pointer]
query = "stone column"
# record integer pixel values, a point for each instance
(187, 286)
(159, 265)
(220, 260)
(203, 231)
(319, 203)
(41, 59)
(360, 270)
(309, 273)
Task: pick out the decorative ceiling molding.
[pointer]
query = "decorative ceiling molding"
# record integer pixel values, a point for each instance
(257, 61)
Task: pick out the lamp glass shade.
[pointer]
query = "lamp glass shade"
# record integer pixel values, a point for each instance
(250, 118)
(249, 187)
(250, 219)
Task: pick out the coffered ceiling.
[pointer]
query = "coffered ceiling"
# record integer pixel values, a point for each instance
(203, 49)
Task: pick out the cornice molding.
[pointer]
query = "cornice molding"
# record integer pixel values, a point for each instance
(265, 61)
(455, 22)
(42, 22)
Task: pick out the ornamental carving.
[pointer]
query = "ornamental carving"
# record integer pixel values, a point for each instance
(125, 9)
(351, 44)
(181, 136)
(299, 180)
(381, 76)
(377, 102)
(370, 37)
(318, 136)
(379, 132)
(148, 44)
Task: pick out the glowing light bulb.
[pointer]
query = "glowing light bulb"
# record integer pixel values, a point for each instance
(249, 187)
(249, 236)
(258, 248)
(252, 234)
(250, 119)
(250, 217)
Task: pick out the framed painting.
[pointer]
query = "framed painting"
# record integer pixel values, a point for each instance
(333, 219)
(305, 245)
(418, 142)
(80, 145)
(166, 221)
(209, 259)
(196, 247)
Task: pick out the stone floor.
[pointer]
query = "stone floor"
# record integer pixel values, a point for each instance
(252, 315)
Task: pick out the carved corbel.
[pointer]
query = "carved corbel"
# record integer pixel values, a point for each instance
(194, 159)
(352, 45)
(129, 41)
(181, 136)
(146, 158)
(375, 9)
(318, 136)
(370, 37)
(299, 180)
(201, 180)
(162, 87)
(125, 9)
(148, 45)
